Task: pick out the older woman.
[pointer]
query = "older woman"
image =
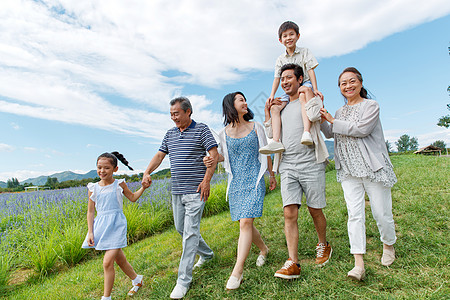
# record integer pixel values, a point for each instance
(363, 166)
(239, 142)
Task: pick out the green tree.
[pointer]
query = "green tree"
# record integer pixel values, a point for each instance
(12, 183)
(52, 182)
(413, 144)
(388, 146)
(440, 144)
(444, 121)
(405, 143)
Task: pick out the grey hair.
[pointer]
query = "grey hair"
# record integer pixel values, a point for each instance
(185, 104)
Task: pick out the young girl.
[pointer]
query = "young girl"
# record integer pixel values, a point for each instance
(108, 231)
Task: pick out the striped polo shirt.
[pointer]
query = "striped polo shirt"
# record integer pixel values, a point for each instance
(186, 150)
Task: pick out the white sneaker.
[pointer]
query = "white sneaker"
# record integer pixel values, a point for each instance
(178, 292)
(307, 138)
(234, 283)
(201, 261)
(272, 147)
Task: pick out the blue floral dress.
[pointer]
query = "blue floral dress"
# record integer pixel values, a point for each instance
(245, 198)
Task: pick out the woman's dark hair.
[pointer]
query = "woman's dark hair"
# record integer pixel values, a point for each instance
(114, 156)
(363, 93)
(230, 114)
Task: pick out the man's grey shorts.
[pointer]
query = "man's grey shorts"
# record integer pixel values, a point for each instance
(296, 179)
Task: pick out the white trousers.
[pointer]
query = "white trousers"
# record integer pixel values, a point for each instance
(381, 204)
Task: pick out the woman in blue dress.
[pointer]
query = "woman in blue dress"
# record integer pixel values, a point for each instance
(239, 142)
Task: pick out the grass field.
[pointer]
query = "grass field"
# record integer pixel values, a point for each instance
(421, 270)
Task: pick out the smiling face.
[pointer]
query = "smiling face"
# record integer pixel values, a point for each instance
(289, 83)
(289, 38)
(350, 85)
(180, 117)
(105, 169)
(240, 104)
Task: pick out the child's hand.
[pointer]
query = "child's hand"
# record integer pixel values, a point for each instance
(208, 161)
(317, 93)
(145, 184)
(90, 239)
(146, 180)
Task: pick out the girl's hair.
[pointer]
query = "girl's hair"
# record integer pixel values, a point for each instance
(363, 93)
(230, 113)
(114, 156)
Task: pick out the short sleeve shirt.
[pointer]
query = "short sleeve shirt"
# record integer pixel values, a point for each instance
(302, 57)
(186, 150)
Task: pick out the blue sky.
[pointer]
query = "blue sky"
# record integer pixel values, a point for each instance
(79, 78)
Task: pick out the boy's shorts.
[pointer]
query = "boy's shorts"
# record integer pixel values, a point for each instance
(296, 180)
(285, 97)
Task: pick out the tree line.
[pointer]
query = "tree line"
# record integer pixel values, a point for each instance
(13, 184)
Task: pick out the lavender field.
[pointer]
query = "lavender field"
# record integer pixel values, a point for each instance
(40, 230)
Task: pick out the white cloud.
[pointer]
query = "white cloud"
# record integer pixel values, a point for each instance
(6, 148)
(15, 126)
(106, 64)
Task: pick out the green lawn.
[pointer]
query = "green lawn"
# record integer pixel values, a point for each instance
(421, 271)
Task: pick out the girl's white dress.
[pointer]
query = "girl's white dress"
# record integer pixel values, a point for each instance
(110, 224)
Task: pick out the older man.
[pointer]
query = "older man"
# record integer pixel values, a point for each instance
(300, 174)
(186, 144)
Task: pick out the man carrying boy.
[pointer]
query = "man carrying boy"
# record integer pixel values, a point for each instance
(300, 173)
(289, 34)
(186, 144)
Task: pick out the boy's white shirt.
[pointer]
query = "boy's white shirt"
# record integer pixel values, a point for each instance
(302, 57)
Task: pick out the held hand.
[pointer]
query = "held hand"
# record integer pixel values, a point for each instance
(208, 161)
(146, 181)
(90, 240)
(145, 184)
(204, 189)
(272, 183)
(276, 101)
(268, 105)
(317, 93)
(326, 115)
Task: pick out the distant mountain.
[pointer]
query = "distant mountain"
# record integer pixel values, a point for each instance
(3, 184)
(63, 176)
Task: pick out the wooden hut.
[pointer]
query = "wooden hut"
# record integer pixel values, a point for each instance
(429, 150)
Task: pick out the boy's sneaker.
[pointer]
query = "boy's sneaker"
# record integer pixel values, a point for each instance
(290, 270)
(272, 147)
(323, 253)
(306, 138)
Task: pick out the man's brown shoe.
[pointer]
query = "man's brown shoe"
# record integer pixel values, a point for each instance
(323, 253)
(290, 270)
